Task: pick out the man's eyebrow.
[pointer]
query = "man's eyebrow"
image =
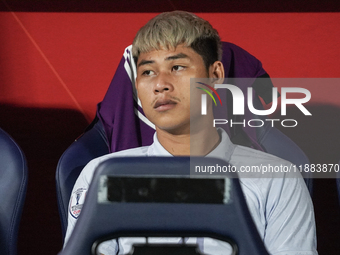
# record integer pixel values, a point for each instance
(145, 62)
(179, 55)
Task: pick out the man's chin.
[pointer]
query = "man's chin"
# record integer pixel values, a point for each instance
(174, 129)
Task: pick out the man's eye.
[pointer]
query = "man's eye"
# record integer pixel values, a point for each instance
(177, 68)
(147, 72)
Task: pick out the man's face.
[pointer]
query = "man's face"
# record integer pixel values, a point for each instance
(163, 86)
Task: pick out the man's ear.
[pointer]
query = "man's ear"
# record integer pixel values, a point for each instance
(216, 71)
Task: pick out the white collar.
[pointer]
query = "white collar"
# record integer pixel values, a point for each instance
(223, 151)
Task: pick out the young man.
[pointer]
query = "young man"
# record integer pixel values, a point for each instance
(169, 50)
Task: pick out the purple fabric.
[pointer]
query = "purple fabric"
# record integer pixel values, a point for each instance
(238, 63)
(125, 130)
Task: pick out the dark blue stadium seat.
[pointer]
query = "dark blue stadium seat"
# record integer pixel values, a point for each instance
(90, 145)
(113, 213)
(13, 185)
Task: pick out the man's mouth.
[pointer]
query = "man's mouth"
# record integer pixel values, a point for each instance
(164, 105)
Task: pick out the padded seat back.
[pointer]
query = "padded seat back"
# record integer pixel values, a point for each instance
(13, 185)
(90, 145)
(110, 214)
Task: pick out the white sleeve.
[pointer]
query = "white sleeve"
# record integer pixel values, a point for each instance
(290, 224)
(78, 195)
(83, 182)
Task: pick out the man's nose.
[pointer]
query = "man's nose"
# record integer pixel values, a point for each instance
(163, 84)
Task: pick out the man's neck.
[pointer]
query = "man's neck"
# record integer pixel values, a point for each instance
(195, 143)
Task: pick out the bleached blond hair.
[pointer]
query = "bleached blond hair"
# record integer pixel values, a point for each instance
(170, 29)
